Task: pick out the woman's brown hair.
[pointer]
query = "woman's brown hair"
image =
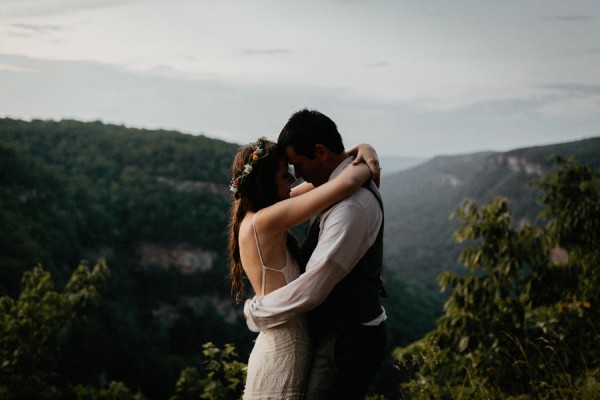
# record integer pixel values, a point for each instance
(253, 192)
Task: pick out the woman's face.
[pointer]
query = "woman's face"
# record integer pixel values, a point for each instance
(284, 180)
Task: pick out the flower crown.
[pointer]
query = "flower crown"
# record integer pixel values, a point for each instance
(259, 151)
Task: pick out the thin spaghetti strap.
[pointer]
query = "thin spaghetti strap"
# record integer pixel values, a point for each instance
(256, 240)
(262, 263)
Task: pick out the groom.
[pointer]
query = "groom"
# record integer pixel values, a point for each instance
(342, 253)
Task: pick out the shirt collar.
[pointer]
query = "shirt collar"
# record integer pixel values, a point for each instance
(338, 170)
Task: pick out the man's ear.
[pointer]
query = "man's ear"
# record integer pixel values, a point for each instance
(321, 152)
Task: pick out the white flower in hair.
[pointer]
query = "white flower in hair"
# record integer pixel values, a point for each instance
(258, 151)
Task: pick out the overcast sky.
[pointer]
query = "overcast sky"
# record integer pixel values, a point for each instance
(414, 78)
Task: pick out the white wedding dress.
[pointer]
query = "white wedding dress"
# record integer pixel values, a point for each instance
(278, 364)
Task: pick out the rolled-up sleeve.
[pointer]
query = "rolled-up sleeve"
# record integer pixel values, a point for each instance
(301, 295)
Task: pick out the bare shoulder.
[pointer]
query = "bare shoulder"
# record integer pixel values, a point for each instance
(246, 228)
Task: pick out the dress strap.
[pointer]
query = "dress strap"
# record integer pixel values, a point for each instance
(262, 263)
(256, 240)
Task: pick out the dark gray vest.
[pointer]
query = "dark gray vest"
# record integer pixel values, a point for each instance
(355, 299)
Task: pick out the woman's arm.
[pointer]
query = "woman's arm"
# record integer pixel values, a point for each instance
(363, 153)
(301, 189)
(295, 210)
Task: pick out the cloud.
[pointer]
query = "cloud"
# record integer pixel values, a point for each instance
(565, 101)
(379, 64)
(253, 52)
(574, 108)
(17, 69)
(29, 29)
(572, 18)
(239, 111)
(574, 88)
(29, 8)
(572, 101)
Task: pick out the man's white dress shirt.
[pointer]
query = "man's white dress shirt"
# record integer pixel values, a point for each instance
(347, 230)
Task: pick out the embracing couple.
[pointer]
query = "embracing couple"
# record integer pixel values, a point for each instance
(322, 327)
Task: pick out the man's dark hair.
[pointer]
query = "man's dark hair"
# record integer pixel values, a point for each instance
(307, 128)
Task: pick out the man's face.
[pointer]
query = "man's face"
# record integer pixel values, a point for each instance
(311, 170)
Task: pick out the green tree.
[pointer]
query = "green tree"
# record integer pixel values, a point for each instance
(31, 326)
(37, 217)
(523, 322)
(113, 391)
(224, 376)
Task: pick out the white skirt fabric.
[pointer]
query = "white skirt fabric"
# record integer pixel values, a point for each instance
(279, 362)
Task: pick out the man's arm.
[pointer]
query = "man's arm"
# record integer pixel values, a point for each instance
(301, 295)
(347, 231)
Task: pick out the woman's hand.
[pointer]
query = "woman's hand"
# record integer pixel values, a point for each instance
(367, 154)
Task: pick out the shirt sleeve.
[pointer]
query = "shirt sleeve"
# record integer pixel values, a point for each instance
(347, 231)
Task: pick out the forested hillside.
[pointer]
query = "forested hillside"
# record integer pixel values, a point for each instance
(154, 205)
(419, 242)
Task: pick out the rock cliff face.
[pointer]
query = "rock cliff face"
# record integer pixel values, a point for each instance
(185, 258)
(518, 164)
(189, 185)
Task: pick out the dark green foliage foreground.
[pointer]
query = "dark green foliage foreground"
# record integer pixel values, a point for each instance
(525, 323)
(32, 325)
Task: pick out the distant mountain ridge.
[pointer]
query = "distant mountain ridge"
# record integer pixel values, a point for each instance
(418, 201)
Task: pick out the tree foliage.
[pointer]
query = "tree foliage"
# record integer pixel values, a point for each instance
(524, 321)
(223, 379)
(71, 190)
(31, 327)
(36, 215)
